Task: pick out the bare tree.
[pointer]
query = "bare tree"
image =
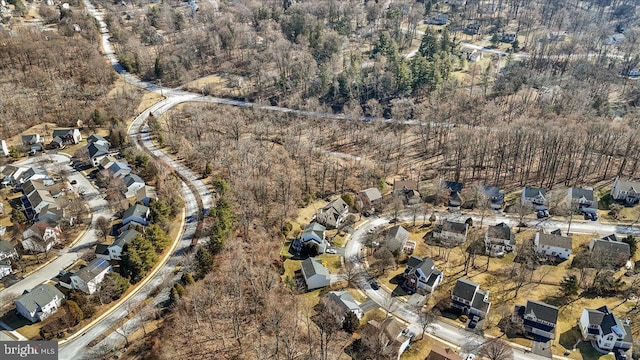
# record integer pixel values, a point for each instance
(426, 319)
(103, 227)
(496, 349)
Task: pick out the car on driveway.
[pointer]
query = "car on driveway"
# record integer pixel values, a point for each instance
(73, 182)
(330, 251)
(374, 284)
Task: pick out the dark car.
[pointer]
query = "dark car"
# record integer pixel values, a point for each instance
(73, 182)
(374, 284)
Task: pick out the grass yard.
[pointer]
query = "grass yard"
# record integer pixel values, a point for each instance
(331, 262)
(419, 349)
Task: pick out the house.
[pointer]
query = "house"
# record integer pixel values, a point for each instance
(439, 19)
(535, 197)
(314, 273)
(495, 196)
(133, 183)
(421, 275)
(66, 136)
(468, 298)
(137, 213)
(106, 162)
(400, 187)
(451, 233)
(579, 198)
(455, 197)
(114, 251)
(345, 302)
(89, 277)
(41, 237)
(5, 268)
(440, 353)
(611, 247)
(472, 29)
(471, 54)
(553, 246)
(7, 251)
(4, 149)
(389, 335)
(31, 139)
(333, 214)
(11, 174)
(558, 36)
(314, 235)
(604, 330)
(35, 173)
(39, 303)
(508, 37)
(119, 169)
(146, 194)
(539, 319)
(499, 239)
(370, 198)
(38, 198)
(97, 152)
(97, 139)
(627, 192)
(396, 238)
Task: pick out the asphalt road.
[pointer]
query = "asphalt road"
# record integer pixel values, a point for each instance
(66, 257)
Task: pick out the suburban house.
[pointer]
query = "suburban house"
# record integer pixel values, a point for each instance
(97, 152)
(5, 268)
(133, 183)
(499, 239)
(468, 298)
(4, 149)
(119, 169)
(535, 197)
(508, 37)
(472, 29)
(39, 303)
(313, 233)
(333, 214)
(451, 233)
(97, 139)
(136, 213)
(611, 246)
(31, 139)
(495, 196)
(440, 353)
(539, 319)
(421, 275)
(370, 198)
(455, 189)
(471, 54)
(627, 192)
(579, 198)
(553, 246)
(146, 194)
(89, 277)
(35, 173)
(408, 189)
(41, 237)
(66, 136)
(114, 251)
(344, 301)
(396, 238)
(7, 251)
(314, 273)
(603, 329)
(389, 335)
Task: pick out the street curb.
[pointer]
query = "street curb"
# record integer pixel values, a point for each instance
(138, 286)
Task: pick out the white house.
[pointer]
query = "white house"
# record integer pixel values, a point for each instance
(313, 233)
(133, 183)
(539, 319)
(7, 251)
(89, 277)
(67, 136)
(578, 198)
(603, 329)
(421, 275)
(315, 274)
(626, 191)
(333, 214)
(41, 237)
(346, 302)
(137, 213)
(534, 196)
(31, 139)
(97, 152)
(553, 246)
(4, 149)
(5, 268)
(451, 233)
(114, 251)
(499, 239)
(39, 303)
(471, 54)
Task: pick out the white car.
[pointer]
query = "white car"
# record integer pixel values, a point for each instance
(470, 357)
(331, 251)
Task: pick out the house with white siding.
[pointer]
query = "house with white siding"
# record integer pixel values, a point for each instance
(553, 246)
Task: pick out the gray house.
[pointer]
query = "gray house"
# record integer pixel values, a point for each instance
(451, 233)
(396, 238)
(535, 197)
(345, 302)
(610, 246)
(470, 299)
(333, 214)
(7, 251)
(499, 239)
(579, 198)
(39, 303)
(421, 275)
(315, 274)
(313, 233)
(137, 213)
(539, 319)
(626, 191)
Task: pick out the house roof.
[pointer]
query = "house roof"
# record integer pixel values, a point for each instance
(501, 231)
(6, 247)
(314, 228)
(612, 245)
(542, 311)
(398, 233)
(344, 300)
(146, 192)
(465, 289)
(125, 237)
(530, 192)
(311, 266)
(455, 227)
(404, 185)
(97, 138)
(440, 353)
(453, 186)
(478, 301)
(628, 186)
(29, 138)
(102, 249)
(492, 191)
(39, 296)
(563, 242)
(414, 261)
(41, 226)
(608, 322)
(119, 166)
(338, 206)
(62, 132)
(131, 179)
(136, 210)
(96, 149)
(468, 50)
(578, 193)
(93, 269)
(372, 194)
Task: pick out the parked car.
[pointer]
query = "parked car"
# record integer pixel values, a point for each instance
(374, 284)
(73, 182)
(330, 251)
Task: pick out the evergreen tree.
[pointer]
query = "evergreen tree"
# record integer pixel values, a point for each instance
(138, 257)
(570, 285)
(351, 322)
(204, 261)
(157, 237)
(429, 45)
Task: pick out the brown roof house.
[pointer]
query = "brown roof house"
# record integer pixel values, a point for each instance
(388, 335)
(333, 214)
(440, 353)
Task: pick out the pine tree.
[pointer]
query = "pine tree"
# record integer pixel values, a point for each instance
(204, 261)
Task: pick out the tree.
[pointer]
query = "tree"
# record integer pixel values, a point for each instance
(522, 209)
(187, 279)
(18, 217)
(429, 45)
(496, 349)
(633, 244)
(351, 272)
(75, 312)
(180, 289)
(348, 199)
(494, 40)
(426, 319)
(384, 259)
(351, 322)
(569, 285)
(103, 227)
(138, 257)
(160, 211)
(157, 237)
(112, 287)
(204, 262)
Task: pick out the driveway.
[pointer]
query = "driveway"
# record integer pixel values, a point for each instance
(542, 347)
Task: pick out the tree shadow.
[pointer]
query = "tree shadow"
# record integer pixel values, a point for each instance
(570, 338)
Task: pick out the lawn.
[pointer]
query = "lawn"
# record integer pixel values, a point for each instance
(331, 261)
(420, 349)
